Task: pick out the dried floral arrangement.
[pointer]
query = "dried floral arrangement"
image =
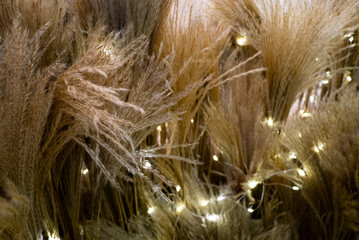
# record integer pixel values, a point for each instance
(166, 119)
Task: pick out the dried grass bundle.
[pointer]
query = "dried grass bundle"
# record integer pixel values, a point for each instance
(146, 119)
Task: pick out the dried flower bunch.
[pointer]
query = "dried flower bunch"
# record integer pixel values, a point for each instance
(169, 119)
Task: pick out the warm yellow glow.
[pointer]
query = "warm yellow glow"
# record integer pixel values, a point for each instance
(311, 98)
(317, 59)
(212, 217)
(192, 121)
(348, 78)
(159, 128)
(151, 210)
(292, 155)
(316, 149)
(319, 147)
(252, 184)
(215, 158)
(53, 236)
(299, 135)
(328, 74)
(221, 198)
(84, 172)
(147, 165)
(180, 208)
(250, 210)
(295, 188)
(270, 122)
(178, 188)
(304, 114)
(350, 37)
(204, 203)
(241, 41)
(301, 172)
(326, 81)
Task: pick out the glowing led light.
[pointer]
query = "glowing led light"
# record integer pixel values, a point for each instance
(318, 148)
(301, 172)
(204, 203)
(304, 114)
(348, 78)
(292, 155)
(53, 236)
(328, 74)
(321, 146)
(151, 210)
(192, 121)
(221, 198)
(215, 158)
(84, 172)
(316, 59)
(180, 208)
(178, 188)
(325, 81)
(252, 184)
(159, 128)
(147, 165)
(351, 39)
(212, 217)
(241, 41)
(270, 122)
(311, 99)
(250, 210)
(295, 188)
(299, 135)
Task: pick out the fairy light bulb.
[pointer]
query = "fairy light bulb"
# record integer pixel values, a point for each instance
(212, 217)
(295, 188)
(159, 128)
(270, 122)
(252, 184)
(319, 147)
(178, 188)
(147, 165)
(301, 172)
(299, 135)
(52, 236)
(326, 81)
(349, 78)
(311, 98)
(328, 74)
(204, 203)
(215, 158)
(85, 171)
(180, 208)
(220, 198)
(351, 39)
(250, 210)
(192, 121)
(241, 41)
(292, 155)
(151, 210)
(304, 114)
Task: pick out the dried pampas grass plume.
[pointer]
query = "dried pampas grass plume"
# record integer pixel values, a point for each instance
(153, 119)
